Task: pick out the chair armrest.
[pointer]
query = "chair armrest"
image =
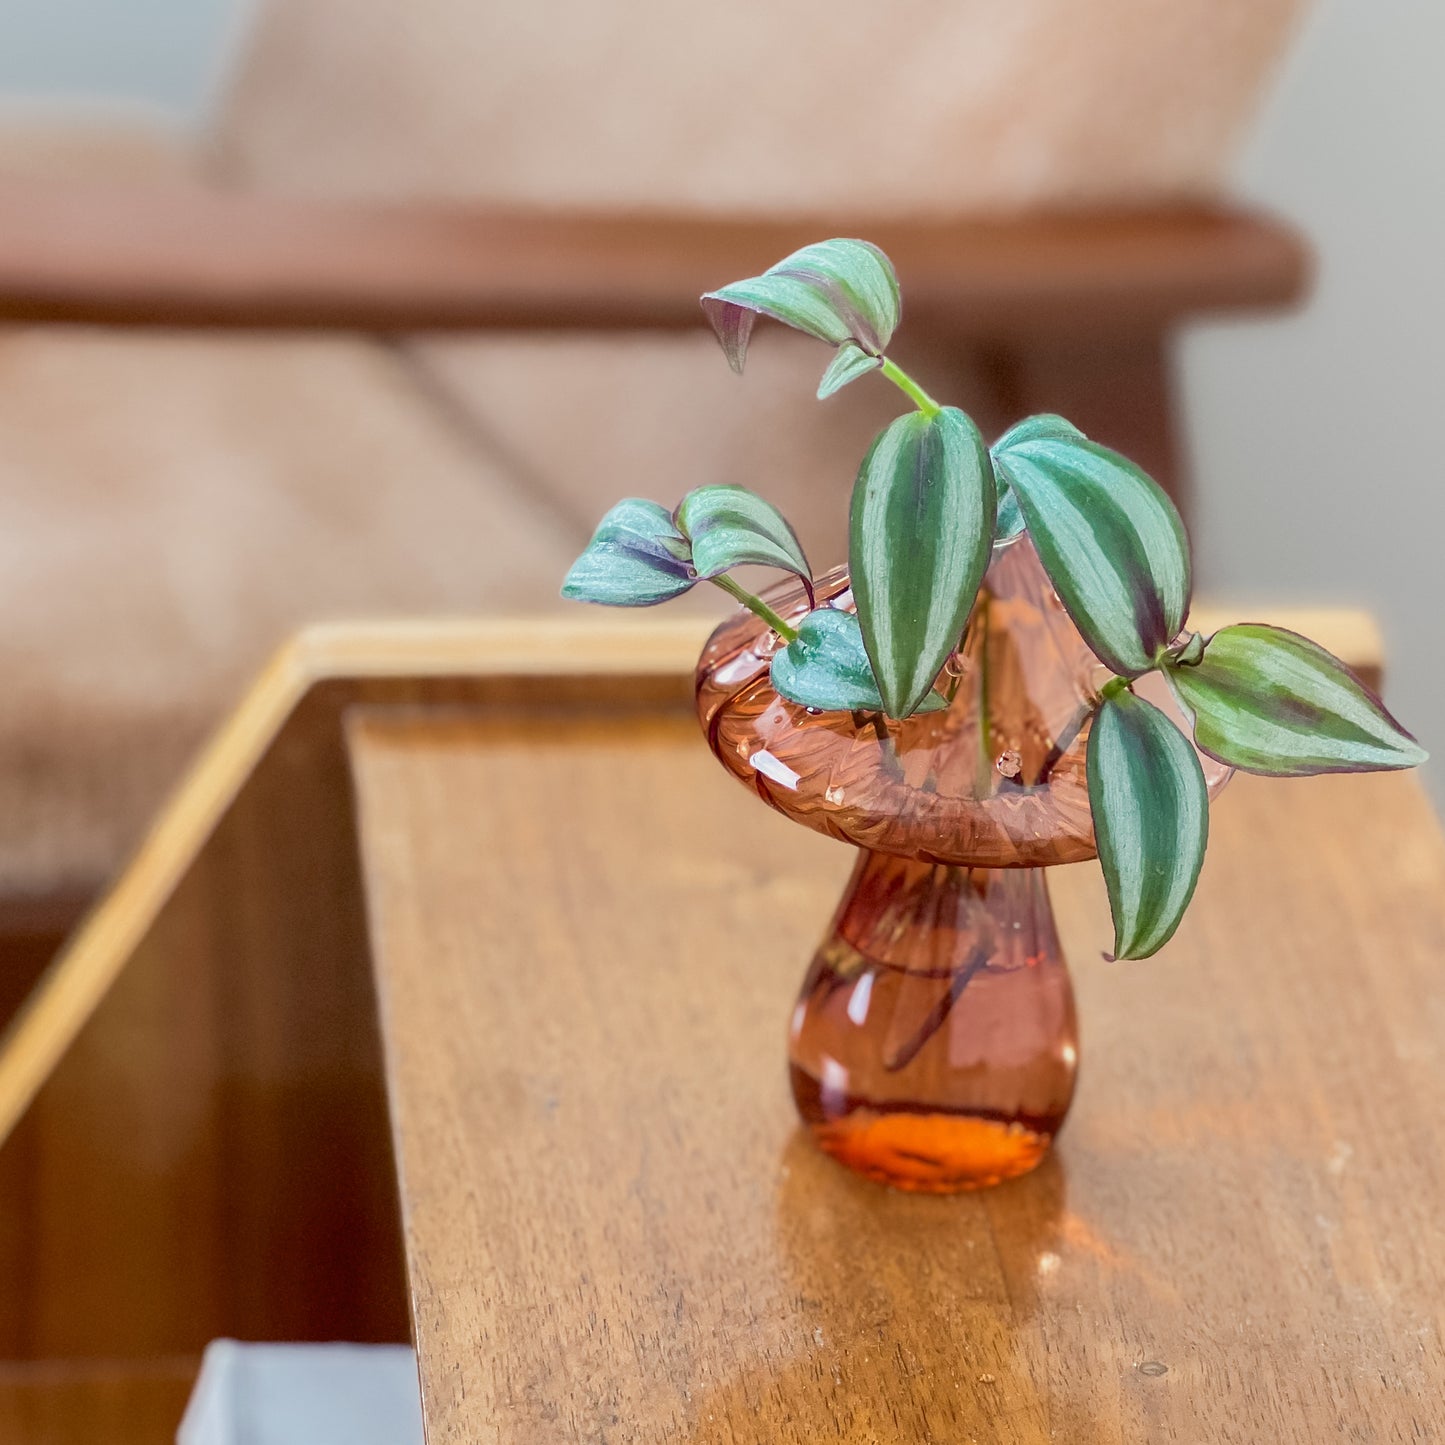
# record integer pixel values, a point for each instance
(190, 256)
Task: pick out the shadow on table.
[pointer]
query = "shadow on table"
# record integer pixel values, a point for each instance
(912, 1317)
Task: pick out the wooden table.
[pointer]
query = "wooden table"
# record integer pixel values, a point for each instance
(585, 942)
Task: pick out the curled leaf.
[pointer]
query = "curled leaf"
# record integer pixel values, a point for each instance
(1151, 820)
(849, 362)
(1189, 652)
(636, 558)
(1111, 541)
(921, 533)
(729, 526)
(826, 667)
(1267, 700)
(835, 290)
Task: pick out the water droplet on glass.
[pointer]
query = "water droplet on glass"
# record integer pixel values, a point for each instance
(956, 665)
(1009, 763)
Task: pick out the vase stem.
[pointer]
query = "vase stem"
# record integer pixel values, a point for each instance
(934, 1045)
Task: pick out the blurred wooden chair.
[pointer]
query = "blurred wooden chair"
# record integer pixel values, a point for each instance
(249, 419)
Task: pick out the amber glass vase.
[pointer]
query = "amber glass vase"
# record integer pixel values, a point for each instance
(934, 1045)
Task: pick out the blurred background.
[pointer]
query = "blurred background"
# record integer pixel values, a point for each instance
(172, 505)
(340, 309)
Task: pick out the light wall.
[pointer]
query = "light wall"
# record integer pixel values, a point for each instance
(161, 57)
(1318, 440)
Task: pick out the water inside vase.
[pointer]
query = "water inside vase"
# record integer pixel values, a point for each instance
(934, 1044)
(995, 780)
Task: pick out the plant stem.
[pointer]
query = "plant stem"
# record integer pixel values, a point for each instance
(1065, 740)
(937, 1016)
(757, 606)
(910, 388)
(986, 778)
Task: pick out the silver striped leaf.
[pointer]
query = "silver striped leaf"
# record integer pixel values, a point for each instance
(835, 290)
(1111, 541)
(729, 526)
(636, 558)
(1151, 820)
(1267, 700)
(921, 532)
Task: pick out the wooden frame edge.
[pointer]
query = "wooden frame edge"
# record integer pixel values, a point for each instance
(74, 985)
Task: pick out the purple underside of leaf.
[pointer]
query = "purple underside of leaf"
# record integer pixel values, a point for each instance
(733, 325)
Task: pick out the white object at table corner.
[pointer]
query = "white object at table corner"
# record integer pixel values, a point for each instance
(304, 1394)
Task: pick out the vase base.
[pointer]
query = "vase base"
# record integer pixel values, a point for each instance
(923, 1152)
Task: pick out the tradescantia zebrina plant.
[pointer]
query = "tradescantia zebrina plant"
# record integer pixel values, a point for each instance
(931, 500)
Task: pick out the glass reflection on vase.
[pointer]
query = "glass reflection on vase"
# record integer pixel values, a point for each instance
(934, 1045)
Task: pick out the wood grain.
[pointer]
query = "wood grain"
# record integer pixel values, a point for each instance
(587, 946)
(191, 1102)
(435, 659)
(193, 256)
(197, 1143)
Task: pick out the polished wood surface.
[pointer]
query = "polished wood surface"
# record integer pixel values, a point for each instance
(587, 944)
(197, 1141)
(195, 256)
(194, 1127)
(94, 1402)
(293, 711)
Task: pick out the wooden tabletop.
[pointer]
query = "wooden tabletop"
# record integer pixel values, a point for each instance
(615, 1233)
(587, 941)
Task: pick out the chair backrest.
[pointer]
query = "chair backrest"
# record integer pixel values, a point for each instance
(857, 106)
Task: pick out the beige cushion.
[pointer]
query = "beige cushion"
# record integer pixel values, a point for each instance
(753, 105)
(586, 420)
(170, 511)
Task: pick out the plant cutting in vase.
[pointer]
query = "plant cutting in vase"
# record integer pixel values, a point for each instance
(1003, 679)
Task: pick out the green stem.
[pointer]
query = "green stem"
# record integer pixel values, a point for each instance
(910, 388)
(1113, 688)
(757, 606)
(986, 782)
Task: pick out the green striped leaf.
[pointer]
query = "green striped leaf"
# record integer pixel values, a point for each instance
(1151, 820)
(1045, 424)
(836, 290)
(636, 558)
(849, 362)
(921, 531)
(1270, 701)
(729, 526)
(1111, 541)
(1010, 517)
(827, 667)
